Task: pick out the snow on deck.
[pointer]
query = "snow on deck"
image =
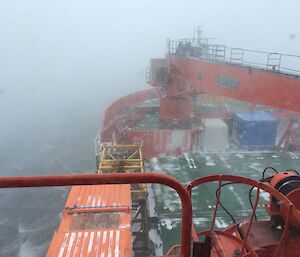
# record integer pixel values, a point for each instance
(190, 166)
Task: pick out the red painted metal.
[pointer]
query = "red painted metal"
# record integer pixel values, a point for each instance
(216, 204)
(243, 180)
(284, 235)
(175, 108)
(194, 234)
(234, 239)
(124, 178)
(295, 213)
(176, 79)
(124, 102)
(262, 239)
(115, 121)
(254, 85)
(176, 105)
(167, 141)
(293, 196)
(251, 220)
(280, 176)
(291, 214)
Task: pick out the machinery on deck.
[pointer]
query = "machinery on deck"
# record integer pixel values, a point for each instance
(277, 236)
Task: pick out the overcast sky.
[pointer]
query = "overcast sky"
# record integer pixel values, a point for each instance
(68, 56)
(57, 45)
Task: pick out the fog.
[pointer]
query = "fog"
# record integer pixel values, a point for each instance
(63, 62)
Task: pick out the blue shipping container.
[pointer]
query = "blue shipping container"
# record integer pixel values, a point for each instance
(257, 129)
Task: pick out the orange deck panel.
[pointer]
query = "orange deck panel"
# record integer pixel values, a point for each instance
(92, 243)
(95, 222)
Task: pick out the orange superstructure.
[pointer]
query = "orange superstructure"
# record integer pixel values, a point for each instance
(95, 222)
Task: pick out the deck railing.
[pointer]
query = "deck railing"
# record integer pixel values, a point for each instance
(185, 193)
(111, 179)
(272, 61)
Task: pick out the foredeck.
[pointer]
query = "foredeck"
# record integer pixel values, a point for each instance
(234, 197)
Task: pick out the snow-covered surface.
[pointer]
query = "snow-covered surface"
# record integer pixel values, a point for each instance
(190, 166)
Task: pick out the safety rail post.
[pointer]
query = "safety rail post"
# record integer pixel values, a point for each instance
(212, 52)
(251, 220)
(236, 55)
(216, 52)
(217, 203)
(274, 61)
(220, 52)
(171, 46)
(110, 179)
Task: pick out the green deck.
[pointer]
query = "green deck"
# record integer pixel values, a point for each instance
(234, 197)
(219, 105)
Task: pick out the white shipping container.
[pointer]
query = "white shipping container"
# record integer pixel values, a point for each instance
(214, 137)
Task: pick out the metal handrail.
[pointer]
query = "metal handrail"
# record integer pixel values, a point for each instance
(159, 178)
(292, 211)
(272, 61)
(117, 178)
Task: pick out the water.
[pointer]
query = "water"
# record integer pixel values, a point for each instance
(35, 140)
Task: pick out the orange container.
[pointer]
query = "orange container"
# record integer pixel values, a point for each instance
(95, 222)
